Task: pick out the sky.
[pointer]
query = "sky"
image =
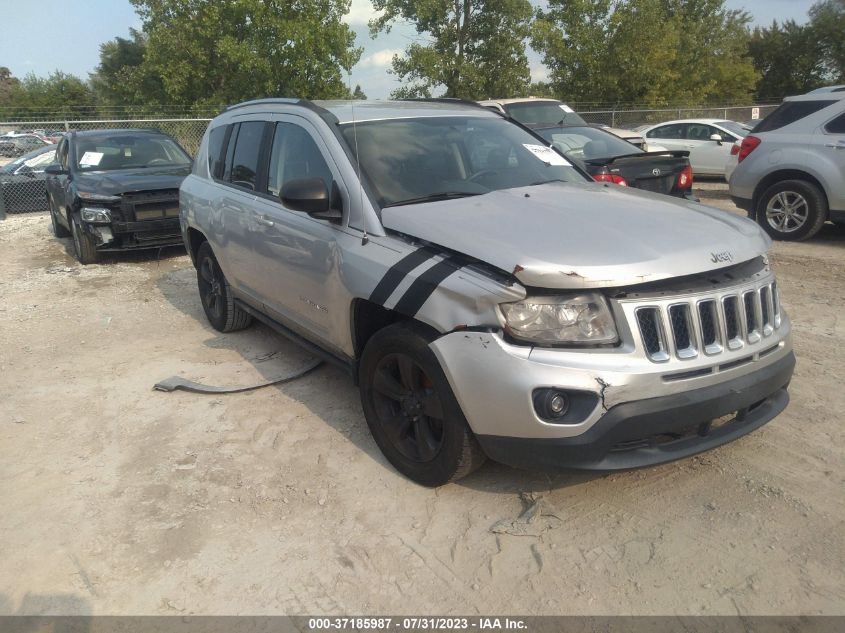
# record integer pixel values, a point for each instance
(26, 46)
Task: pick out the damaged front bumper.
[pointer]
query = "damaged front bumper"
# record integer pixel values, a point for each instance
(640, 414)
(121, 236)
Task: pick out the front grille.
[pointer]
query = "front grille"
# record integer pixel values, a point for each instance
(709, 325)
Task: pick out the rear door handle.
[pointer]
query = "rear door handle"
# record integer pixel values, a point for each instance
(262, 219)
(839, 145)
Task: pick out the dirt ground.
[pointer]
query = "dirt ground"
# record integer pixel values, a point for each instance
(117, 499)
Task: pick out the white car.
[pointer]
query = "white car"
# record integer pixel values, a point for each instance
(708, 141)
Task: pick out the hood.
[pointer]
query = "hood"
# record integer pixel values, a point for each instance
(112, 183)
(565, 235)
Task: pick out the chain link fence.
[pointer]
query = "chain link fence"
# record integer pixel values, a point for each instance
(631, 118)
(22, 179)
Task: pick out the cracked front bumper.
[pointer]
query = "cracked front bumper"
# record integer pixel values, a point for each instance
(640, 418)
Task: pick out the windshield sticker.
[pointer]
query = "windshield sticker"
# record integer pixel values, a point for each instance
(90, 159)
(566, 108)
(546, 154)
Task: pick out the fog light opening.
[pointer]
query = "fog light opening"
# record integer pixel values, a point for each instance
(551, 404)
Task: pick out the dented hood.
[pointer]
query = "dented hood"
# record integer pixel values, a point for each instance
(565, 235)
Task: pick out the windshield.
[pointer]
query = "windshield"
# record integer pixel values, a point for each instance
(543, 113)
(412, 160)
(128, 151)
(36, 160)
(587, 143)
(734, 128)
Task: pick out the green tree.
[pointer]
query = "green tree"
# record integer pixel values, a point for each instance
(827, 22)
(358, 93)
(473, 48)
(121, 77)
(211, 52)
(645, 51)
(788, 57)
(8, 86)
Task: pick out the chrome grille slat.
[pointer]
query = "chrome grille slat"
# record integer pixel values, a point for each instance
(711, 325)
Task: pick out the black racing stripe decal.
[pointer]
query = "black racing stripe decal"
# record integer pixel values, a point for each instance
(396, 273)
(424, 285)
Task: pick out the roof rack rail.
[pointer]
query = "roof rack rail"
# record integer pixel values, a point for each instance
(453, 100)
(266, 100)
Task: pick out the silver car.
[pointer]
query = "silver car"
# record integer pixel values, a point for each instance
(790, 172)
(488, 298)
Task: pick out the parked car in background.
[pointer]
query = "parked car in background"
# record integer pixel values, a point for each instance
(607, 158)
(19, 144)
(488, 297)
(790, 172)
(533, 111)
(826, 89)
(708, 141)
(116, 190)
(23, 181)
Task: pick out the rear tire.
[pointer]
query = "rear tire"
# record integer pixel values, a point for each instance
(216, 294)
(83, 245)
(792, 210)
(411, 410)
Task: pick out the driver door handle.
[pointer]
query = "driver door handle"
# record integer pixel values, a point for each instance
(839, 145)
(263, 220)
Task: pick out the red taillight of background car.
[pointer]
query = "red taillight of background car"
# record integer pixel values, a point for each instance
(685, 178)
(749, 144)
(734, 149)
(616, 180)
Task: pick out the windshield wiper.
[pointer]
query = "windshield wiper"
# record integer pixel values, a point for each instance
(434, 197)
(543, 182)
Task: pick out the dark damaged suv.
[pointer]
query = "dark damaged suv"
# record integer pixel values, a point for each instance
(116, 190)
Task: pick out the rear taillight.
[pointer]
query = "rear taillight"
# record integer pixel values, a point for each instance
(685, 178)
(616, 180)
(749, 144)
(734, 149)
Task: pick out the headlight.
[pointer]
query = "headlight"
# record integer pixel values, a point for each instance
(96, 197)
(583, 318)
(95, 215)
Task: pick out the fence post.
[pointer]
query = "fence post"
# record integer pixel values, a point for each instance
(726, 113)
(67, 127)
(613, 117)
(2, 204)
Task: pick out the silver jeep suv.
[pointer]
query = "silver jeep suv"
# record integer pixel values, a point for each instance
(487, 296)
(790, 175)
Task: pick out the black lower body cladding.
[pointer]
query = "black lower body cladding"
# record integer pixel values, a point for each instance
(657, 430)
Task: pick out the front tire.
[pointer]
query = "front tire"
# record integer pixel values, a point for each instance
(792, 210)
(216, 294)
(58, 228)
(411, 410)
(83, 245)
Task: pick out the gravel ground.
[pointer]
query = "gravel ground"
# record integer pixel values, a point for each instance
(121, 500)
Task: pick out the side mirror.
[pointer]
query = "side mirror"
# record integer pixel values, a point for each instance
(717, 138)
(55, 170)
(311, 196)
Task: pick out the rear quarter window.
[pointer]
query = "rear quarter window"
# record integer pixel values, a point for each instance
(216, 138)
(837, 126)
(789, 112)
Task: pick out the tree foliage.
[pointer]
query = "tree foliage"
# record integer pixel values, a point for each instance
(469, 48)
(58, 94)
(223, 51)
(827, 24)
(121, 78)
(789, 59)
(645, 51)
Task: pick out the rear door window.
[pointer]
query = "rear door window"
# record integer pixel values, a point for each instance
(790, 112)
(675, 131)
(246, 155)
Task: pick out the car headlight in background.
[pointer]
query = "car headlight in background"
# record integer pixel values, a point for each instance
(582, 318)
(95, 215)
